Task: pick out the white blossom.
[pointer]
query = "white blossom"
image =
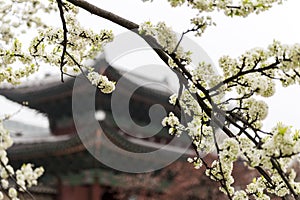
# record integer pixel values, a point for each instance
(173, 99)
(175, 128)
(12, 193)
(101, 82)
(166, 37)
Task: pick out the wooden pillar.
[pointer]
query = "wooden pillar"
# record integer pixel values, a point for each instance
(96, 191)
(75, 193)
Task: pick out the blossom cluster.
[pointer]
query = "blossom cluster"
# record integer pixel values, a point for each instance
(5, 139)
(12, 55)
(17, 18)
(101, 82)
(206, 75)
(284, 150)
(253, 74)
(230, 8)
(172, 122)
(20, 58)
(255, 111)
(196, 161)
(201, 24)
(198, 129)
(222, 172)
(173, 99)
(167, 38)
(201, 134)
(256, 69)
(188, 104)
(83, 45)
(25, 177)
(283, 142)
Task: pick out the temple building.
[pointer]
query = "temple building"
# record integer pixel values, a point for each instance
(71, 149)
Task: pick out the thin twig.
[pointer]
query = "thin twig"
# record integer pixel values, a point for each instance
(14, 179)
(242, 73)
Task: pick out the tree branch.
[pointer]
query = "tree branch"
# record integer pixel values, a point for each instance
(242, 73)
(65, 41)
(104, 14)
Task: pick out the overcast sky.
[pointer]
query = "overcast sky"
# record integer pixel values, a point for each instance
(231, 36)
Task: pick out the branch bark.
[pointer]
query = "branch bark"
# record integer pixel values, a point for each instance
(65, 41)
(105, 14)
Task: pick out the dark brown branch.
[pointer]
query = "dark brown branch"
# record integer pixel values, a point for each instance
(196, 28)
(214, 4)
(65, 41)
(222, 181)
(277, 166)
(242, 73)
(15, 180)
(37, 44)
(76, 63)
(104, 14)
(245, 96)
